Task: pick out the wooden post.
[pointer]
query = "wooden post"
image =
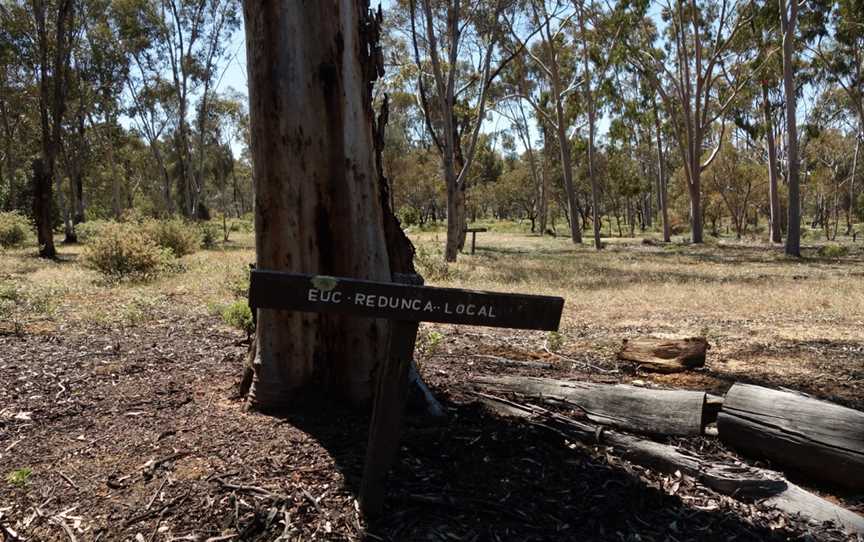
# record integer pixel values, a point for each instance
(386, 422)
(405, 303)
(473, 241)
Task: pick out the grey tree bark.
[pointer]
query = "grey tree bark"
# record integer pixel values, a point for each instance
(788, 20)
(320, 199)
(773, 196)
(317, 207)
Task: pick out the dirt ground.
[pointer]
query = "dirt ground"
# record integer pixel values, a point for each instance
(123, 424)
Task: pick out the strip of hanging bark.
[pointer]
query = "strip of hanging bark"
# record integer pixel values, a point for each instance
(665, 355)
(739, 481)
(634, 409)
(819, 439)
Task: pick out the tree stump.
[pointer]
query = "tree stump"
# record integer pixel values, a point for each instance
(816, 438)
(665, 355)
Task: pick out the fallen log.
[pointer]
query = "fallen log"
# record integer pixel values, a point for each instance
(819, 439)
(735, 480)
(635, 409)
(665, 355)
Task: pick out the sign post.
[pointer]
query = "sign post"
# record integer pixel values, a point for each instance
(406, 305)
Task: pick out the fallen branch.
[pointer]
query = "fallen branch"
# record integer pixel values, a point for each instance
(634, 409)
(514, 362)
(577, 362)
(736, 480)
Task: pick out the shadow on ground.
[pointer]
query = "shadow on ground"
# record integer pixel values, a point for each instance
(480, 477)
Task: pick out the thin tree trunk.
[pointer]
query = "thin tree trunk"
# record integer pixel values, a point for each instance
(42, 202)
(661, 177)
(849, 215)
(788, 21)
(589, 102)
(773, 196)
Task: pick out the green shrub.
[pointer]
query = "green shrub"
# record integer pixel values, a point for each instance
(238, 281)
(133, 216)
(209, 235)
(408, 216)
(122, 251)
(431, 264)
(239, 315)
(178, 236)
(13, 229)
(833, 251)
(86, 231)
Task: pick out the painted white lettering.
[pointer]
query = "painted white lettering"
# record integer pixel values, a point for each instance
(370, 301)
(482, 311)
(447, 308)
(359, 298)
(491, 314)
(460, 309)
(415, 304)
(471, 310)
(313, 294)
(428, 307)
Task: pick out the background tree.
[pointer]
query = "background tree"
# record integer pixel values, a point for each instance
(696, 78)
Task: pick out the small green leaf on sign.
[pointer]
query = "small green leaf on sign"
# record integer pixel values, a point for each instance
(324, 283)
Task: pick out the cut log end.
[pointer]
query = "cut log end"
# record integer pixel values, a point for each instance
(665, 355)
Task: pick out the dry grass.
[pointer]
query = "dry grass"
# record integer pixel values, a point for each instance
(74, 295)
(766, 316)
(769, 319)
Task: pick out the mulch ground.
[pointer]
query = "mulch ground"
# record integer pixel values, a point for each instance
(134, 434)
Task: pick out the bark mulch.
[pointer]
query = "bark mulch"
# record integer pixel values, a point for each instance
(133, 434)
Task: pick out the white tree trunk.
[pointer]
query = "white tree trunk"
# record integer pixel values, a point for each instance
(318, 207)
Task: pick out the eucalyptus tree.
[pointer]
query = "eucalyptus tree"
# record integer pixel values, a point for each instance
(598, 33)
(49, 58)
(458, 54)
(553, 57)
(839, 60)
(520, 126)
(19, 123)
(175, 48)
(697, 74)
(322, 199)
(764, 36)
(109, 67)
(788, 22)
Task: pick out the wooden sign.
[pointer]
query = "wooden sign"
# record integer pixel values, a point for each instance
(318, 293)
(407, 305)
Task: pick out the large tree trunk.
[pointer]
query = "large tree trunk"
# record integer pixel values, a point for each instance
(42, 201)
(318, 206)
(661, 177)
(695, 188)
(817, 438)
(455, 219)
(788, 20)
